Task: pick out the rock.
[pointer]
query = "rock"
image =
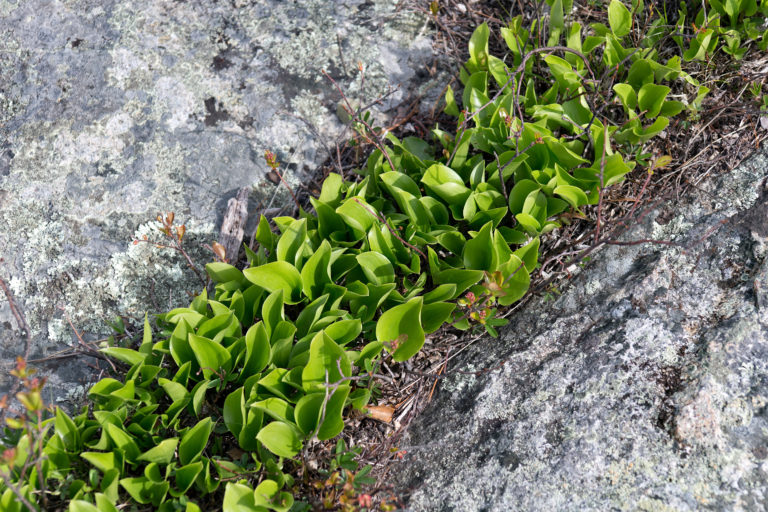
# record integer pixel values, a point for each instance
(643, 387)
(112, 111)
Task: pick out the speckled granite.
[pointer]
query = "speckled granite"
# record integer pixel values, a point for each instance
(112, 111)
(643, 387)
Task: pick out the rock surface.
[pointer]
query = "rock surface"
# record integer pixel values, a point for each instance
(112, 111)
(643, 387)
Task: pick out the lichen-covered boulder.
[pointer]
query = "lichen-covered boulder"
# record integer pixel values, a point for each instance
(643, 387)
(112, 111)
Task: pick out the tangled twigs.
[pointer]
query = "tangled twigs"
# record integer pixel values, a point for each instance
(273, 164)
(174, 234)
(370, 134)
(19, 316)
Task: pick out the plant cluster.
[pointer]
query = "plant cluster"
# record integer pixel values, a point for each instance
(217, 405)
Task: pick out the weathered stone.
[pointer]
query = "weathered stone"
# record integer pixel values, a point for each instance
(112, 111)
(643, 387)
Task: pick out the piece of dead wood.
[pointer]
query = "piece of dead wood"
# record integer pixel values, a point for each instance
(233, 225)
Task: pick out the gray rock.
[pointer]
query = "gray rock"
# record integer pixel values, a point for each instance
(112, 111)
(643, 387)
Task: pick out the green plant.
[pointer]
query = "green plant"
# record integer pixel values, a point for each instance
(216, 405)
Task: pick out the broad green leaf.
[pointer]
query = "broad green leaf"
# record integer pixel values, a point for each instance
(211, 356)
(67, 431)
(344, 331)
(357, 214)
(446, 183)
(529, 253)
(450, 103)
(331, 190)
(461, 278)
(520, 193)
(280, 438)
(267, 494)
(276, 408)
(103, 461)
(257, 350)
(627, 95)
(162, 453)
(234, 411)
(650, 99)
(434, 315)
(327, 360)
(223, 272)
(376, 267)
(82, 506)
(291, 241)
(277, 275)
(316, 272)
(399, 328)
(619, 18)
(144, 490)
(125, 355)
(186, 475)
(478, 253)
(239, 498)
(528, 222)
(194, 441)
(574, 195)
(253, 422)
(123, 442)
(478, 47)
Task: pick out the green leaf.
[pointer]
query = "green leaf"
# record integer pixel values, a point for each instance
(450, 103)
(326, 358)
(234, 411)
(123, 442)
(400, 329)
(291, 241)
(477, 253)
(186, 475)
(194, 441)
(100, 460)
(276, 408)
(277, 275)
(574, 195)
(125, 355)
(162, 453)
(627, 95)
(211, 356)
(280, 438)
(651, 97)
(223, 272)
(376, 267)
(344, 331)
(67, 431)
(264, 234)
(446, 184)
(144, 490)
(520, 193)
(331, 190)
(257, 350)
(357, 214)
(516, 281)
(435, 315)
(478, 47)
(239, 498)
(316, 272)
(267, 494)
(619, 18)
(82, 506)
(461, 278)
